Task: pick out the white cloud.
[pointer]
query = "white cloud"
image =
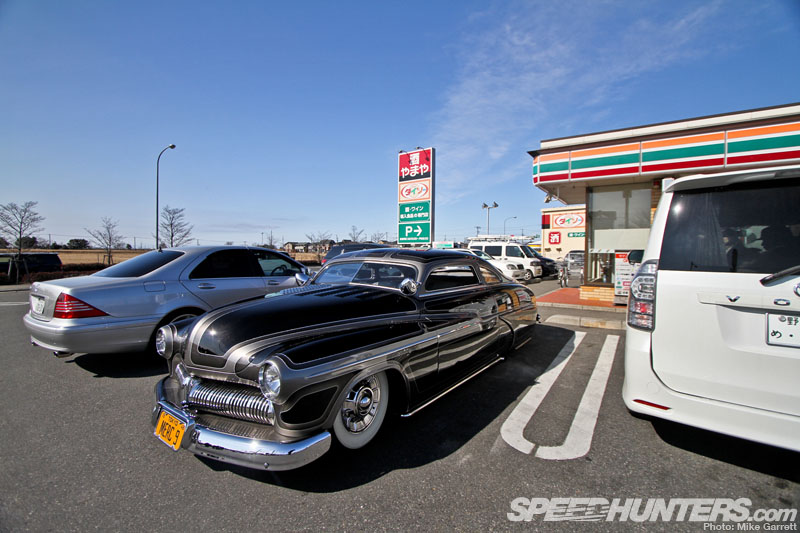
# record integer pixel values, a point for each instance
(527, 63)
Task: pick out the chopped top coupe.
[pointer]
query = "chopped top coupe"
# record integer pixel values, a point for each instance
(267, 383)
(120, 308)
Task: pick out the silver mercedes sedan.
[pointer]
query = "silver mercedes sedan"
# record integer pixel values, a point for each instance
(120, 308)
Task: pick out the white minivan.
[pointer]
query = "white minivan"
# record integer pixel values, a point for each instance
(713, 334)
(510, 251)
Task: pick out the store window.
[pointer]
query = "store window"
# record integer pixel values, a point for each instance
(618, 220)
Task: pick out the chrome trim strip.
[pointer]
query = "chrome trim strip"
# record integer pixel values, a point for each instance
(241, 451)
(426, 404)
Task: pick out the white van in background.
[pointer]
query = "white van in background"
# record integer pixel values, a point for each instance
(713, 335)
(507, 250)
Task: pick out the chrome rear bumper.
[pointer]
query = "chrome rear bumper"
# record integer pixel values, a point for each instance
(249, 452)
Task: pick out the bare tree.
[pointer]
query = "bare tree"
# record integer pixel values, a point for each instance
(271, 242)
(107, 237)
(356, 234)
(378, 236)
(316, 240)
(177, 231)
(18, 222)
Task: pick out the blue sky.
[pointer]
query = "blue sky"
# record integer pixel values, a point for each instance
(288, 116)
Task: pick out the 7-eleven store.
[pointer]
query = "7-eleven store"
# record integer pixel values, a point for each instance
(619, 176)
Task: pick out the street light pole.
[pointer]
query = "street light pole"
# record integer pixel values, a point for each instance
(504, 224)
(158, 163)
(488, 210)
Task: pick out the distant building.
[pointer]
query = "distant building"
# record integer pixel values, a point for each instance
(563, 230)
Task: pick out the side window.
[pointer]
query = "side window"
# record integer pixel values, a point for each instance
(226, 264)
(274, 265)
(514, 251)
(494, 251)
(450, 277)
(489, 276)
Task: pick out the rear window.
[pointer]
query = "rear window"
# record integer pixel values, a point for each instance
(753, 228)
(140, 265)
(494, 251)
(451, 277)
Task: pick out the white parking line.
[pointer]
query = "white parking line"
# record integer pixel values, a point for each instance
(9, 304)
(515, 423)
(581, 431)
(579, 438)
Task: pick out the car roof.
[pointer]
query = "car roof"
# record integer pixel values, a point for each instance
(202, 249)
(407, 254)
(702, 181)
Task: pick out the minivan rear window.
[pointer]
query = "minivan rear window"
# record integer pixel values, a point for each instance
(140, 265)
(753, 228)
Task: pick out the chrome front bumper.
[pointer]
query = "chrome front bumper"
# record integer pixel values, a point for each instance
(249, 452)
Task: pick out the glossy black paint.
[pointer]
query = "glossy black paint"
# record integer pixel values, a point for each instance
(324, 337)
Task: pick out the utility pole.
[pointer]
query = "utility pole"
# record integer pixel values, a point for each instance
(477, 230)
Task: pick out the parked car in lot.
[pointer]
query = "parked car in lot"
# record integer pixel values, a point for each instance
(339, 249)
(570, 273)
(713, 335)
(119, 308)
(266, 383)
(28, 263)
(515, 271)
(504, 250)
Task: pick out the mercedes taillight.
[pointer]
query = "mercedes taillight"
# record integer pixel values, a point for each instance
(70, 307)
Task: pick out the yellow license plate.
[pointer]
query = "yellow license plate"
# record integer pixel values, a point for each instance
(170, 430)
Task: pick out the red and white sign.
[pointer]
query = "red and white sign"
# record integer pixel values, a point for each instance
(415, 165)
(554, 237)
(569, 220)
(414, 191)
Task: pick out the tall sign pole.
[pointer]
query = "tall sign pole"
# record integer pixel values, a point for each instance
(416, 181)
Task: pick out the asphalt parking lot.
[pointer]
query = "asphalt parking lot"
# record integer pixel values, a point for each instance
(78, 452)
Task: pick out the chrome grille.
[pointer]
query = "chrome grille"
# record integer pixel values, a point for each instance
(236, 401)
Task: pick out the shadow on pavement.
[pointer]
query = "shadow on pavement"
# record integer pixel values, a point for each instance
(121, 365)
(434, 433)
(762, 458)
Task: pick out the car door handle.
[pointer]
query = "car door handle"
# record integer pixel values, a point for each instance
(273, 282)
(206, 286)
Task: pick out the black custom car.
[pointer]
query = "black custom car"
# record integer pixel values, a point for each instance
(266, 383)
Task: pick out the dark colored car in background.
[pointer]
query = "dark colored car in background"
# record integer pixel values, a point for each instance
(339, 249)
(549, 266)
(266, 384)
(28, 263)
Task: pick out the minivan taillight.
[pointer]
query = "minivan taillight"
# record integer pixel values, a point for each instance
(642, 297)
(70, 307)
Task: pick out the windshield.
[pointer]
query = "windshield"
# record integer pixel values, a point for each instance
(140, 265)
(527, 250)
(365, 273)
(483, 255)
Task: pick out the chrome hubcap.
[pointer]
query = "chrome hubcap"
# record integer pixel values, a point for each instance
(361, 404)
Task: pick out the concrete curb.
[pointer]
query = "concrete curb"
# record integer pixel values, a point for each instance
(583, 307)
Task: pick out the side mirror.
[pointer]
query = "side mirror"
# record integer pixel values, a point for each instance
(302, 278)
(635, 256)
(409, 287)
